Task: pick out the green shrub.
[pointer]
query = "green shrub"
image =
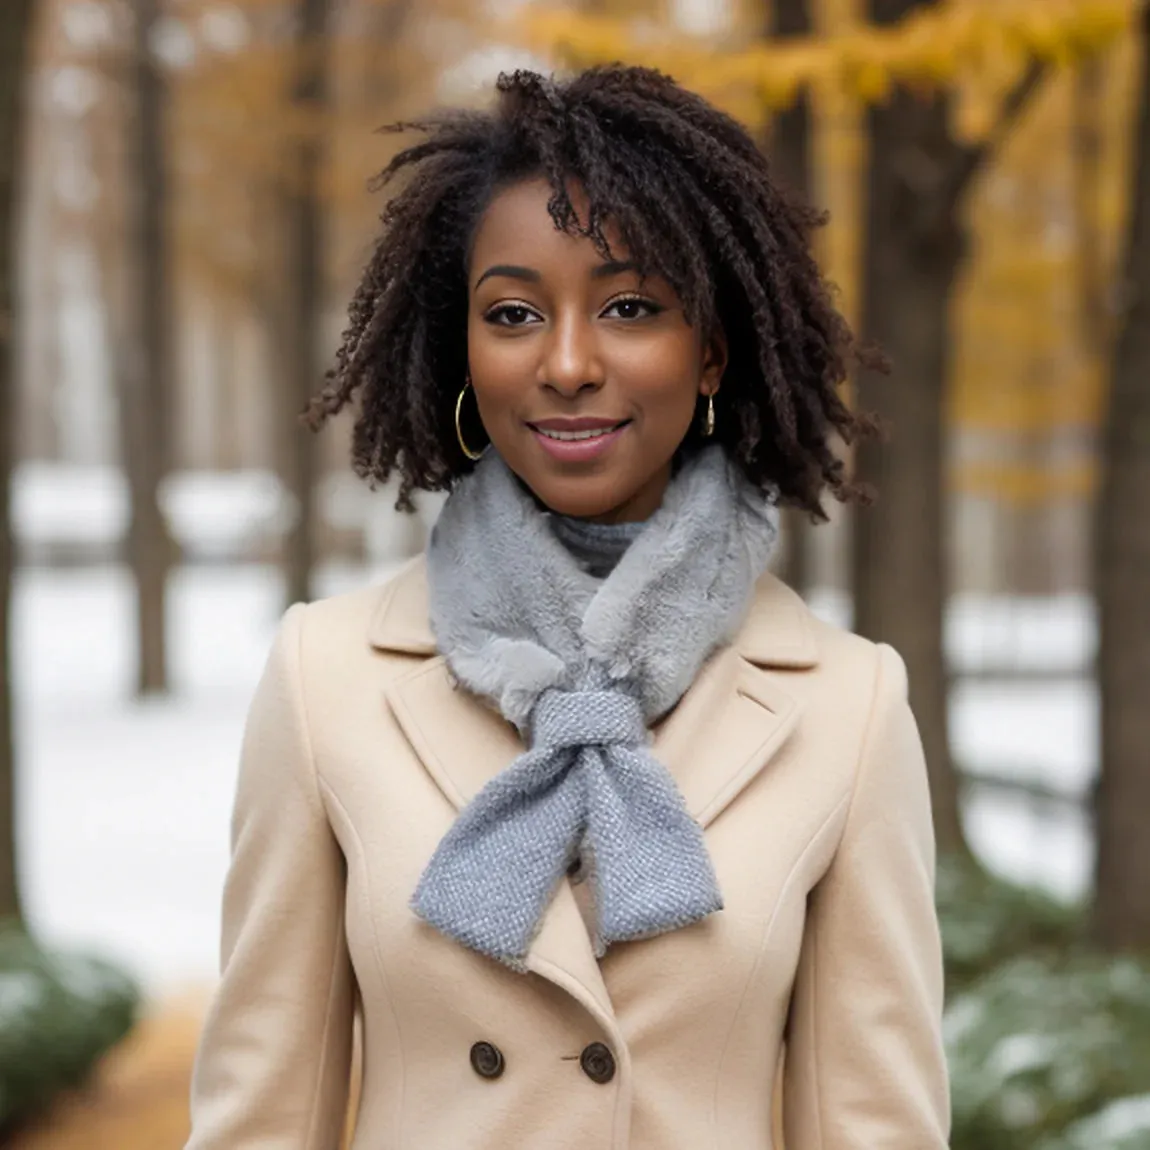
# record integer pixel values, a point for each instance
(59, 1012)
(1050, 1053)
(986, 921)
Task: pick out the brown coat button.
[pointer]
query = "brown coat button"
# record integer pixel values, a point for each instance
(598, 1063)
(487, 1060)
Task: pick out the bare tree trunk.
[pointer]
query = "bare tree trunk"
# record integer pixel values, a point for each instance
(1089, 114)
(899, 545)
(145, 415)
(15, 54)
(225, 385)
(1122, 579)
(791, 153)
(305, 299)
(791, 143)
(914, 244)
(385, 25)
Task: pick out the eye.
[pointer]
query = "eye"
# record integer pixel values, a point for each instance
(511, 315)
(632, 307)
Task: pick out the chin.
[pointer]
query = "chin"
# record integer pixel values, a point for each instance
(585, 498)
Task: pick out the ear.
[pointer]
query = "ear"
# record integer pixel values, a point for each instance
(715, 356)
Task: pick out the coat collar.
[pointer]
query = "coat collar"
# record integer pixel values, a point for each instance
(719, 738)
(776, 632)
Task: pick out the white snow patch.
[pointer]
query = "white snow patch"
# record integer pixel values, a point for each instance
(1118, 1120)
(1018, 1053)
(20, 993)
(124, 807)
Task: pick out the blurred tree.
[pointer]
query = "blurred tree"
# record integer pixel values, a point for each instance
(385, 22)
(304, 219)
(15, 53)
(914, 242)
(146, 366)
(790, 148)
(1122, 577)
(1088, 112)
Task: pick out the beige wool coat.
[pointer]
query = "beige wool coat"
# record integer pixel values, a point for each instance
(795, 749)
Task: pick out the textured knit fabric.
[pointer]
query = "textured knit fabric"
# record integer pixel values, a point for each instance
(596, 547)
(582, 666)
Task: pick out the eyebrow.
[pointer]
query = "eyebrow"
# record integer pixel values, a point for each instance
(516, 272)
(613, 268)
(511, 271)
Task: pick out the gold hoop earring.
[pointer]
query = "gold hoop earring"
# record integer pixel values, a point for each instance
(709, 418)
(472, 455)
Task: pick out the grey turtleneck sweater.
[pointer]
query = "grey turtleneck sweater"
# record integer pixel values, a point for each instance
(596, 547)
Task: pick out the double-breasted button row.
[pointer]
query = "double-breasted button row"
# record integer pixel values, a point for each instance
(596, 1061)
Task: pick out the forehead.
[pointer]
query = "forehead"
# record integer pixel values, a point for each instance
(516, 228)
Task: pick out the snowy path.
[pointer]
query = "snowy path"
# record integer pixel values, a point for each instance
(124, 807)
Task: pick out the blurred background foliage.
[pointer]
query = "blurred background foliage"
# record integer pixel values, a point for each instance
(183, 212)
(58, 1013)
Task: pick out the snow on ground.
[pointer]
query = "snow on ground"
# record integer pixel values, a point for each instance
(124, 807)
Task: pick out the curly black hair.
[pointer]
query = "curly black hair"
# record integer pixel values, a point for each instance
(693, 199)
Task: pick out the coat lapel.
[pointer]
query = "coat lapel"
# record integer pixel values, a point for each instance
(462, 744)
(715, 742)
(723, 733)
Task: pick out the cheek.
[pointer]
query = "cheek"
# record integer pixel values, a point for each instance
(498, 394)
(498, 372)
(665, 382)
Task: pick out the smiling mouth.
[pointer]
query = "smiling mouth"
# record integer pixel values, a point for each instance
(584, 434)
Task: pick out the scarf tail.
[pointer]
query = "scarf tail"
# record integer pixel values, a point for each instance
(653, 871)
(494, 872)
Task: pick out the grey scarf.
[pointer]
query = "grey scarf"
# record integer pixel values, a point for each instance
(581, 666)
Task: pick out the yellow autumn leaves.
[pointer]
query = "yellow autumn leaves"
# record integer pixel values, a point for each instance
(990, 40)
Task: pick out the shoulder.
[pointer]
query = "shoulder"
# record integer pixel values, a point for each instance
(839, 674)
(390, 615)
(782, 631)
(334, 620)
(336, 655)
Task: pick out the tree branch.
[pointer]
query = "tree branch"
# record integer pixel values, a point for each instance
(790, 18)
(975, 159)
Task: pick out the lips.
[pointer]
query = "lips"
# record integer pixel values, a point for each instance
(577, 440)
(584, 427)
(577, 436)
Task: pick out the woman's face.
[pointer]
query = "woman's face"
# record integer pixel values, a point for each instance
(587, 376)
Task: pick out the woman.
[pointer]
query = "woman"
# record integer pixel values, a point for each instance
(583, 814)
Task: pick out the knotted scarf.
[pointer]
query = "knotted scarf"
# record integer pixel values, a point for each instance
(582, 666)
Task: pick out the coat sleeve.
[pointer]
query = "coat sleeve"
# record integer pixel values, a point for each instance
(272, 1069)
(864, 1065)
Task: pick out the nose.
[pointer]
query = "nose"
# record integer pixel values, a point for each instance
(571, 361)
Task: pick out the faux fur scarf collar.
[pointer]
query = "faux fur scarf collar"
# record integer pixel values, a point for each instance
(582, 666)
